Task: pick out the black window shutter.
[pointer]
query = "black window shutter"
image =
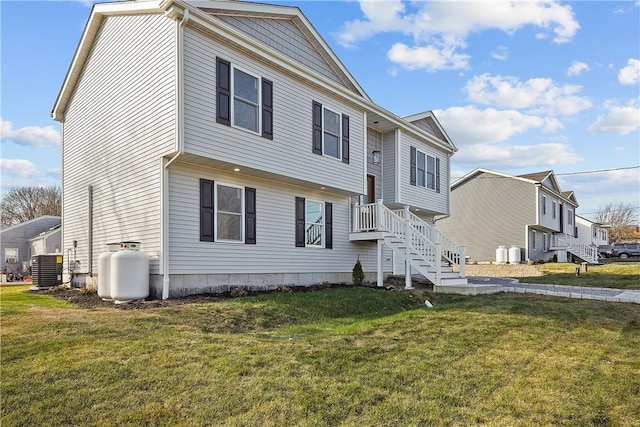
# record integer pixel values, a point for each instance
(345, 139)
(328, 225)
(437, 175)
(317, 128)
(223, 84)
(250, 216)
(206, 210)
(267, 109)
(300, 219)
(412, 173)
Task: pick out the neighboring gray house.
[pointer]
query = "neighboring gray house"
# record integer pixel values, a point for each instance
(15, 244)
(229, 139)
(491, 209)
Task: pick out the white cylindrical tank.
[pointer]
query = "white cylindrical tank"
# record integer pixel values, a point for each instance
(514, 255)
(129, 273)
(104, 271)
(501, 255)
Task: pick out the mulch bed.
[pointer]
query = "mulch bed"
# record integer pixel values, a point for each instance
(88, 298)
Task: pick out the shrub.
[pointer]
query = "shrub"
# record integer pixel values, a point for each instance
(357, 275)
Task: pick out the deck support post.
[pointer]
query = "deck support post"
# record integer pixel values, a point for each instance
(380, 279)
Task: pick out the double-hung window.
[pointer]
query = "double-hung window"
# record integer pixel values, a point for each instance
(244, 100)
(11, 255)
(425, 170)
(544, 205)
(227, 213)
(330, 132)
(553, 209)
(314, 223)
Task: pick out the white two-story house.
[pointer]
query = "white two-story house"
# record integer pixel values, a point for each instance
(228, 139)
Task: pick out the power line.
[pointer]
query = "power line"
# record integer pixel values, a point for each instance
(597, 171)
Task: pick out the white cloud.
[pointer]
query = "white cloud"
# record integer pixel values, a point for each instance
(630, 74)
(428, 58)
(439, 29)
(501, 53)
(620, 120)
(540, 95)
(577, 68)
(19, 167)
(35, 136)
(470, 125)
(502, 157)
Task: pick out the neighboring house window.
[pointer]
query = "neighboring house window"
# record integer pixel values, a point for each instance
(553, 209)
(11, 255)
(243, 100)
(227, 213)
(595, 232)
(544, 242)
(330, 132)
(314, 223)
(424, 170)
(544, 205)
(569, 216)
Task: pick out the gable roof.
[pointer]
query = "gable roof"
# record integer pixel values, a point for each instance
(42, 218)
(538, 178)
(433, 126)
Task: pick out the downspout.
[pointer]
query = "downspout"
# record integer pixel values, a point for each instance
(164, 212)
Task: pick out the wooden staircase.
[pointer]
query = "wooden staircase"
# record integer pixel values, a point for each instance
(421, 245)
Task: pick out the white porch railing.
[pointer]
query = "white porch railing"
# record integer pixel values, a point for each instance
(422, 238)
(576, 247)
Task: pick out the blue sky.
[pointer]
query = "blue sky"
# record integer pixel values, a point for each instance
(519, 87)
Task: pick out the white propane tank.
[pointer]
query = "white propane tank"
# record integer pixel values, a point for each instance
(514, 255)
(501, 255)
(129, 273)
(104, 271)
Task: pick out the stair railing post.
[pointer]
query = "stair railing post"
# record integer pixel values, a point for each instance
(463, 262)
(407, 255)
(379, 217)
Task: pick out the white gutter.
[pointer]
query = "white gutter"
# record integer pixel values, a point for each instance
(164, 212)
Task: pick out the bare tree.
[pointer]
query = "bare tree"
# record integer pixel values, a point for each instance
(21, 204)
(623, 219)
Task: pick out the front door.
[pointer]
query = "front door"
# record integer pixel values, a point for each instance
(371, 189)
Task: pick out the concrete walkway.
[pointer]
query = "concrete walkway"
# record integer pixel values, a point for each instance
(579, 292)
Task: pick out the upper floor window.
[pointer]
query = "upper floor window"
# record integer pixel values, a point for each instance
(544, 205)
(243, 100)
(553, 209)
(330, 132)
(595, 232)
(569, 217)
(425, 170)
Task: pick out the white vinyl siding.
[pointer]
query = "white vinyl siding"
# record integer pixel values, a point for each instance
(119, 122)
(289, 155)
(488, 211)
(275, 250)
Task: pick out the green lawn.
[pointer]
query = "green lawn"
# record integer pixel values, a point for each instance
(342, 356)
(617, 275)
